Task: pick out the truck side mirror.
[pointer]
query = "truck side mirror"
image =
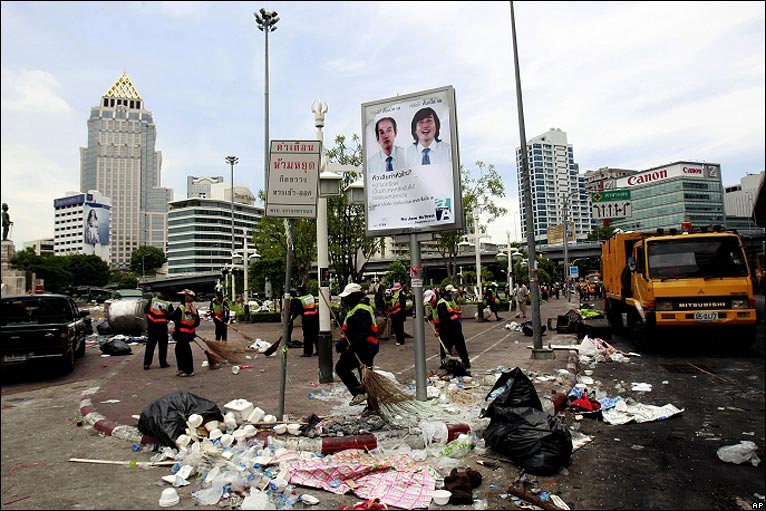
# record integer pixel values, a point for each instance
(631, 263)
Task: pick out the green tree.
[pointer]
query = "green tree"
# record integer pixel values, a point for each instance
(600, 233)
(88, 270)
(397, 272)
(128, 281)
(479, 194)
(145, 260)
(270, 240)
(349, 247)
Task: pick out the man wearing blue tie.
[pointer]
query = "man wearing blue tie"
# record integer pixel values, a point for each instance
(390, 157)
(427, 148)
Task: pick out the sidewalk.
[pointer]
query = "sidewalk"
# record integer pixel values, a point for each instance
(110, 408)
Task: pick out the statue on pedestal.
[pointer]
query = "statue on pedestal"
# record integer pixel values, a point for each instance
(6, 221)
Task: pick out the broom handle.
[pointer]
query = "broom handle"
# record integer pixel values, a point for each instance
(448, 352)
(361, 365)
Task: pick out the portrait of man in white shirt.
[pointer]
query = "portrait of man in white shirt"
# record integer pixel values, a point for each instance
(427, 147)
(391, 156)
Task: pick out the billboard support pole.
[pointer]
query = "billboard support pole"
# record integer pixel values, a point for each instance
(421, 382)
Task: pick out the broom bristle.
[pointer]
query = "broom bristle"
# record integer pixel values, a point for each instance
(222, 350)
(213, 361)
(383, 395)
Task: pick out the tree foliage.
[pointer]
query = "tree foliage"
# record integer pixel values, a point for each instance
(600, 233)
(479, 194)
(349, 247)
(145, 260)
(60, 273)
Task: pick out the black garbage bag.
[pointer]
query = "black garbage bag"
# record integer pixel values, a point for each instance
(526, 328)
(116, 347)
(513, 388)
(166, 417)
(532, 439)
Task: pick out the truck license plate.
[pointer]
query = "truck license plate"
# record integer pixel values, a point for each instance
(15, 357)
(706, 316)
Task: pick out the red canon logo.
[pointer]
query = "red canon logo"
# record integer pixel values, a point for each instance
(691, 170)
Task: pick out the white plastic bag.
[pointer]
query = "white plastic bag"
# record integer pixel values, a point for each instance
(739, 453)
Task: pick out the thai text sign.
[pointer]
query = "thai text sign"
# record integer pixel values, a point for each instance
(293, 178)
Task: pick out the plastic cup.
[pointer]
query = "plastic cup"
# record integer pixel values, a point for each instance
(216, 433)
(280, 429)
(234, 369)
(195, 420)
(169, 497)
(441, 497)
(294, 429)
(227, 440)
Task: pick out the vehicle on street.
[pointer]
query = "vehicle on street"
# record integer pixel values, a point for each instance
(125, 312)
(42, 327)
(681, 280)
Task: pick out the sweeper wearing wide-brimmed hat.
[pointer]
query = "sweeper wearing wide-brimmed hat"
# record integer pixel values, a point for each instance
(359, 338)
(449, 326)
(186, 319)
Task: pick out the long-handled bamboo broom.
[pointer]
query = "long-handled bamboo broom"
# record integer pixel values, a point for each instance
(383, 396)
(213, 360)
(221, 349)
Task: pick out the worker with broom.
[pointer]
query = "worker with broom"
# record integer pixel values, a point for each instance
(358, 341)
(310, 322)
(186, 319)
(397, 304)
(449, 327)
(219, 309)
(157, 311)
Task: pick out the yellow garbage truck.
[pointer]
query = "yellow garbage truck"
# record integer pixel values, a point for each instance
(683, 282)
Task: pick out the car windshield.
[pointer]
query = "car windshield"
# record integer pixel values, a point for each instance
(128, 293)
(34, 310)
(696, 257)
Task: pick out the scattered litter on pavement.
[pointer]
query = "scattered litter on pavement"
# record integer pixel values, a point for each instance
(739, 453)
(640, 387)
(110, 401)
(628, 410)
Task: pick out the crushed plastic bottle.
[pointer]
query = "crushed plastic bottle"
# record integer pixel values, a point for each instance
(480, 504)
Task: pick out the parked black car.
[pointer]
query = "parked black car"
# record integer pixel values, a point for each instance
(42, 327)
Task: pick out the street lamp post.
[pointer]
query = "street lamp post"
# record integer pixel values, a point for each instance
(232, 160)
(477, 243)
(324, 340)
(267, 22)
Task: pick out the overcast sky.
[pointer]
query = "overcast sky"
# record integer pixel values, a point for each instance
(633, 84)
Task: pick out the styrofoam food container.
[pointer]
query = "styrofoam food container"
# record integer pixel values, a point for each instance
(270, 418)
(280, 429)
(294, 429)
(441, 497)
(169, 497)
(256, 415)
(588, 372)
(183, 440)
(216, 433)
(210, 426)
(227, 440)
(240, 436)
(195, 420)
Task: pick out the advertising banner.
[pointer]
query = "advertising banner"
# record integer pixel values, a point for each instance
(96, 227)
(412, 164)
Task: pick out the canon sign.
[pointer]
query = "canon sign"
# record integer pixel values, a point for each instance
(692, 170)
(649, 177)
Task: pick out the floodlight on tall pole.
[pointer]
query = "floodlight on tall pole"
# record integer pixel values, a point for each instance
(534, 284)
(477, 246)
(232, 160)
(267, 22)
(566, 199)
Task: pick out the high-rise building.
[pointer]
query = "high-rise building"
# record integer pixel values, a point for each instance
(121, 162)
(738, 202)
(41, 247)
(599, 180)
(200, 226)
(81, 224)
(669, 195)
(556, 182)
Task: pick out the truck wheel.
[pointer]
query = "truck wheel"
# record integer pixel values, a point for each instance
(638, 331)
(744, 338)
(80, 352)
(67, 363)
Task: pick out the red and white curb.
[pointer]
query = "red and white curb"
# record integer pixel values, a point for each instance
(329, 445)
(107, 427)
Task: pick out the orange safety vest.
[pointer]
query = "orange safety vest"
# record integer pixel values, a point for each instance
(309, 305)
(187, 324)
(372, 335)
(158, 312)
